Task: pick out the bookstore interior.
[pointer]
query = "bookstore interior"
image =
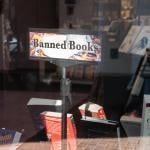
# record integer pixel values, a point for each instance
(74, 69)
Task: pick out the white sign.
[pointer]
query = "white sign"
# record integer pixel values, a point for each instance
(65, 46)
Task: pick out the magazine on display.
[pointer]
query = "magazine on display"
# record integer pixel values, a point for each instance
(52, 124)
(136, 41)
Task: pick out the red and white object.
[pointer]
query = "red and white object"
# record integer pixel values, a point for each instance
(52, 124)
(92, 110)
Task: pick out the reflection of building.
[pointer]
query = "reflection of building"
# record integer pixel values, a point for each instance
(99, 15)
(89, 14)
(96, 12)
(79, 15)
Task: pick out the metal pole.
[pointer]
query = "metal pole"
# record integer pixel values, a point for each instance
(64, 114)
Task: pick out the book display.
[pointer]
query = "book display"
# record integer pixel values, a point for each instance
(64, 48)
(72, 72)
(82, 47)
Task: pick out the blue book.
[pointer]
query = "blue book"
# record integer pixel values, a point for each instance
(8, 136)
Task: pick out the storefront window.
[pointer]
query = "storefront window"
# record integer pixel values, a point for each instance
(101, 90)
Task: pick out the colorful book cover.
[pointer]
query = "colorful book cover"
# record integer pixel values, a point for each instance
(52, 124)
(92, 110)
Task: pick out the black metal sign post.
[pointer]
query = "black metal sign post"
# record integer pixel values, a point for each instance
(65, 90)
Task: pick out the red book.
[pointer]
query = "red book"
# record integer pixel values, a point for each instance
(92, 110)
(52, 124)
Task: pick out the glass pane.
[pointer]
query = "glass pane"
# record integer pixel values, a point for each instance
(76, 65)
